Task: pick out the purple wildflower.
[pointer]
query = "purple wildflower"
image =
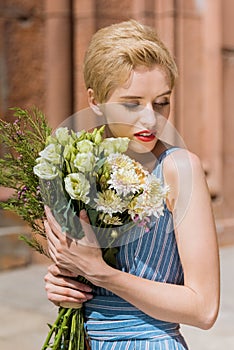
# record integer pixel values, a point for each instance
(22, 192)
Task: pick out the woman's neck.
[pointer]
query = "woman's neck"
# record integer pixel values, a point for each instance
(149, 159)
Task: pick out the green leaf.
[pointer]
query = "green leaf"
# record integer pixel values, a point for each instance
(93, 215)
(109, 255)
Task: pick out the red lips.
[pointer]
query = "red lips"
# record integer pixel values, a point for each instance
(145, 135)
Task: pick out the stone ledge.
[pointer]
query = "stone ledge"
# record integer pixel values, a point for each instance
(13, 252)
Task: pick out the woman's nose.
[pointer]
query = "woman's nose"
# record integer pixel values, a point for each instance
(150, 116)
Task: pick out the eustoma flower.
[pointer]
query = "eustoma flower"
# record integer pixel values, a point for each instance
(114, 145)
(45, 170)
(77, 186)
(85, 162)
(51, 153)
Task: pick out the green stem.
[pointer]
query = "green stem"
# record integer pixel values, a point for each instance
(73, 340)
(53, 328)
(81, 344)
(61, 329)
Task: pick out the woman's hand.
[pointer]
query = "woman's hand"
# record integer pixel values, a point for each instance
(62, 288)
(80, 257)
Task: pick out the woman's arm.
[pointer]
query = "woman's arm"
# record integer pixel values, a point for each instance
(196, 302)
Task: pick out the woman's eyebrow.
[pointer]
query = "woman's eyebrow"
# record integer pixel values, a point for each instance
(131, 97)
(140, 97)
(165, 93)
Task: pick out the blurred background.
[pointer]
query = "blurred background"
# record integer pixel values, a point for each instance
(42, 46)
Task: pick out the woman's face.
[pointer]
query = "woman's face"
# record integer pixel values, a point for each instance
(138, 109)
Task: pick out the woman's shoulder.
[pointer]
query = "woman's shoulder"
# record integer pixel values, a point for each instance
(181, 165)
(180, 159)
(183, 172)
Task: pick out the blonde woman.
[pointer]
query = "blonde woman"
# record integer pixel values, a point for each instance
(171, 274)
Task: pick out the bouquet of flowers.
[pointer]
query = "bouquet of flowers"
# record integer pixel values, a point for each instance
(75, 171)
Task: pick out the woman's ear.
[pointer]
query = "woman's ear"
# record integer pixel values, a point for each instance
(93, 103)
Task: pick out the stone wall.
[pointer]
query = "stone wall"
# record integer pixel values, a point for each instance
(22, 59)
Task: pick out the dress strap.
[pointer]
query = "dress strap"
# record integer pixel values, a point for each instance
(158, 170)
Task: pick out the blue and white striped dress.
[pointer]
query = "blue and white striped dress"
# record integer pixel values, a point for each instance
(111, 322)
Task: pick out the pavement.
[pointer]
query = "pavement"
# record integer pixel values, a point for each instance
(25, 310)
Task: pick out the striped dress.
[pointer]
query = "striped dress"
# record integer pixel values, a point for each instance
(111, 322)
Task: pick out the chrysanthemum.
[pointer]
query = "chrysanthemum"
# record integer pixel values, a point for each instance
(109, 202)
(127, 176)
(124, 182)
(119, 161)
(110, 220)
(151, 201)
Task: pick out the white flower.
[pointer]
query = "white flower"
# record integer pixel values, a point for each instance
(109, 202)
(84, 162)
(79, 135)
(77, 186)
(110, 220)
(62, 136)
(151, 201)
(126, 175)
(114, 234)
(124, 182)
(119, 161)
(45, 170)
(114, 145)
(52, 153)
(98, 135)
(85, 146)
(69, 152)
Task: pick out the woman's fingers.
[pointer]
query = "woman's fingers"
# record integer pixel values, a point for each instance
(52, 240)
(56, 271)
(60, 295)
(52, 222)
(70, 254)
(55, 235)
(63, 281)
(90, 238)
(66, 288)
(60, 289)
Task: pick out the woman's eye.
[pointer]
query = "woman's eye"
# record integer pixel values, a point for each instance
(131, 105)
(159, 105)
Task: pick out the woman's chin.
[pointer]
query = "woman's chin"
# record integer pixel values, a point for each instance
(142, 147)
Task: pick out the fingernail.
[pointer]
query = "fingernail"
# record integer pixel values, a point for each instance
(47, 210)
(83, 300)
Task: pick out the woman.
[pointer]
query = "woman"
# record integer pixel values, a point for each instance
(171, 275)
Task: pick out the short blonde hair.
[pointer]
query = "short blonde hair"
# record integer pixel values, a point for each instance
(116, 50)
